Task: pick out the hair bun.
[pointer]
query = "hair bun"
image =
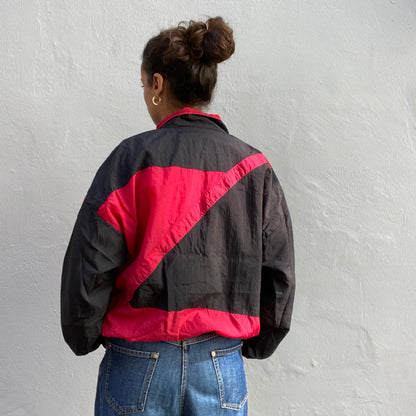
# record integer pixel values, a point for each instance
(218, 43)
(209, 42)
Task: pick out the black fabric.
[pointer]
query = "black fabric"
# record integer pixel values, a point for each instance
(215, 264)
(90, 268)
(172, 145)
(238, 258)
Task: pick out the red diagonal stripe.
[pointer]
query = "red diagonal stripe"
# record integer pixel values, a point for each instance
(139, 272)
(158, 207)
(154, 198)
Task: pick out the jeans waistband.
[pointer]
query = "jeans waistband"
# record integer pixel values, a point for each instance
(189, 341)
(194, 340)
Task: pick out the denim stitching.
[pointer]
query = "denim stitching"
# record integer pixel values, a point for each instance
(195, 340)
(184, 378)
(146, 383)
(219, 377)
(226, 351)
(148, 379)
(220, 353)
(202, 338)
(134, 353)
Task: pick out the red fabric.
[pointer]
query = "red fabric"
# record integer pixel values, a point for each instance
(186, 110)
(156, 324)
(152, 202)
(154, 211)
(158, 206)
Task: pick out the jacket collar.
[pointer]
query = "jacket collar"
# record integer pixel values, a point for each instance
(187, 111)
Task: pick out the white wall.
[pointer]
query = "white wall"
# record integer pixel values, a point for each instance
(326, 89)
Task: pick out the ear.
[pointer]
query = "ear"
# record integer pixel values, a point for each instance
(158, 83)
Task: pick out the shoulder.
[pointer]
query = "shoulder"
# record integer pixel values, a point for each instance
(121, 164)
(133, 151)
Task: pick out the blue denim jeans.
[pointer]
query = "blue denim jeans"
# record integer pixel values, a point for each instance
(202, 376)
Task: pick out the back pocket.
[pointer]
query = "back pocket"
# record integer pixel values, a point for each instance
(229, 368)
(128, 378)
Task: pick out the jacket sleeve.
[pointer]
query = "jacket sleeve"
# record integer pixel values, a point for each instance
(278, 273)
(95, 251)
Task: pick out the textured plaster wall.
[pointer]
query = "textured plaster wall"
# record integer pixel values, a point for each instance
(326, 89)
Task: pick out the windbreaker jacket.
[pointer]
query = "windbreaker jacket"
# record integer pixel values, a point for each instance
(184, 231)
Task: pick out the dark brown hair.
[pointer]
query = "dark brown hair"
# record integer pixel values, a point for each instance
(187, 57)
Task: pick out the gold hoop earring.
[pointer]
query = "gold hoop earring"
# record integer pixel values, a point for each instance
(154, 100)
